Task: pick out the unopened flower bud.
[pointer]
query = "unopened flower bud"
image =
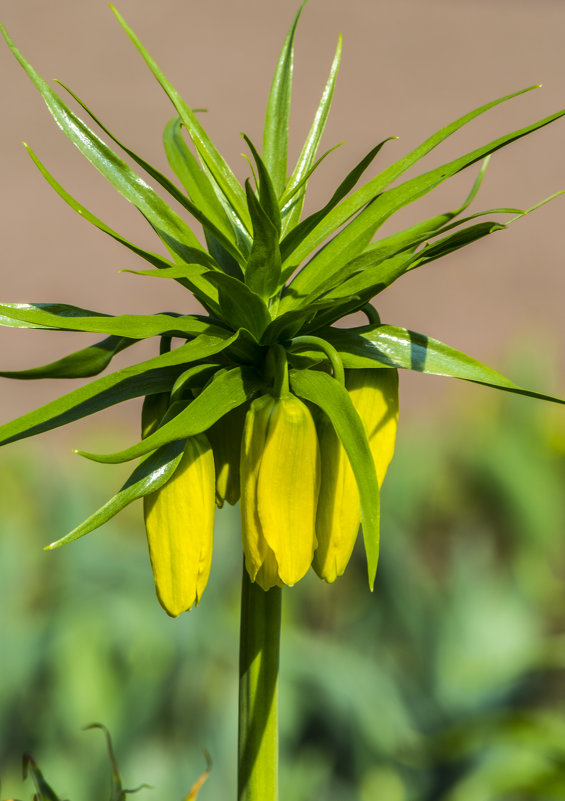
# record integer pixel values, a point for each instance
(225, 439)
(280, 479)
(374, 393)
(179, 520)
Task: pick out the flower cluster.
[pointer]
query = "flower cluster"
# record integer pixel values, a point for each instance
(266, 397)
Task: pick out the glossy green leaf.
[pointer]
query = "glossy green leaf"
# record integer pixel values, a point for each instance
(63, 317)
(305, 163)
(152, 258)
(357, 234)
(327, 393)
(290, 246)
(275, 131)
(223, 233)
(415, 235)
(150, 474)
(198, 185)
(226, 391)
(220, 171)
(192, 276)
(173, 231)
(355, 202)
(146, 378)
(374, 278)
(240, 305)
(263, 269)
(80, 364)
(399, 347)
(267, 194)
(294, 198)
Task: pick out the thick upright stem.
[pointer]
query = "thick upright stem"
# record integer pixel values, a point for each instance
(258, 692)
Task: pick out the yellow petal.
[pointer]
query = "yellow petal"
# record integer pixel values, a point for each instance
(225, 439)
(287, 488)
(339, 509)
(253, 443)
(374, 393)
(179, 520)
(280, 477)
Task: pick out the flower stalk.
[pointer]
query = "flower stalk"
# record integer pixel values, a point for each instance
(258, 692)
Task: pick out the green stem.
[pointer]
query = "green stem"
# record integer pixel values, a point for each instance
(321, 344)
(258, 692)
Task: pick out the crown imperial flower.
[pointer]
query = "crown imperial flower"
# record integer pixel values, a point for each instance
(273, 283)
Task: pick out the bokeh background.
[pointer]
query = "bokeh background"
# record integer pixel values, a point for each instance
(447, 682)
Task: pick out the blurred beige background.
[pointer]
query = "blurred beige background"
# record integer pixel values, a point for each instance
(408, 68)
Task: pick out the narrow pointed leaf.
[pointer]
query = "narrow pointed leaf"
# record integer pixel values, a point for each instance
(150, 474)
(275, 131)
(226, 391)
(267, 194)
(152, 258)
(240, 305)
(220, 171)
(355, 202)
(374, 278)
(223, 233)
(399, 347)
(308, 154)
(291, 253)
(197, 183)
(146, 378)
(263, 269)
(81, 364)
(354, 237)
(173, 231)
(44, 791)
(62, 317)
(327, 393)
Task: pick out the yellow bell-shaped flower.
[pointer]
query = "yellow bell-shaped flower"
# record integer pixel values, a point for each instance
(374, 393)
(225, 439)
(179, 520)
(280, 480)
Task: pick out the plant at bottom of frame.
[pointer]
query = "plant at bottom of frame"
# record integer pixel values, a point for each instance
(266, 398)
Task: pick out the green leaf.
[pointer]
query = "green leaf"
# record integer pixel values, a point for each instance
(150, 475)
(152, 258)
(305, 162)
(263, 269)
(374, 278)
(267, 194)
(355, 236)
(369, 346)
(223, 176)
(44, 791)
(327, 393)
(198, 185)
(227, 390)
(290, 244)
(80, 364)
(173, 231)
(415, 235)
(146, 378)
(223, 233)
(355, 202)
(240, 305)
(63, 317)
(275, 131)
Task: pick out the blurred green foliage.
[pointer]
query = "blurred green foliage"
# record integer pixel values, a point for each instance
(445, 684)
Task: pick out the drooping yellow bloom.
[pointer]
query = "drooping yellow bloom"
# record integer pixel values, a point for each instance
(280, 480)
(225, 439)
(179, 520)
(374, 393)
